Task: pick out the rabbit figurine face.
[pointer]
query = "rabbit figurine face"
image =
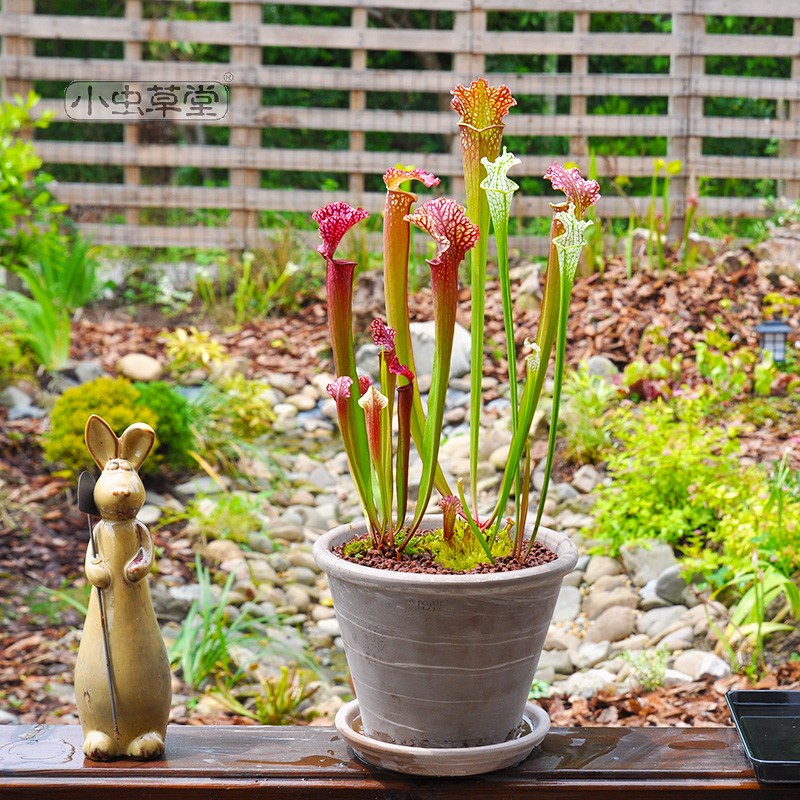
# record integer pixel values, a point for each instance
(119, 493)
(122, 675)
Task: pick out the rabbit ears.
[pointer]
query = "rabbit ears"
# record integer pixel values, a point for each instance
(134, 445)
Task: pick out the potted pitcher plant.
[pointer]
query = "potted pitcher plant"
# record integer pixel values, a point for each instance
(443, 616)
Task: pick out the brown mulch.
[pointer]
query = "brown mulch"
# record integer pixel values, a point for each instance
(42, 535)
(700, 704)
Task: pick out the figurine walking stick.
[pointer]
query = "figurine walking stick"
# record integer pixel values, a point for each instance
(86, 504)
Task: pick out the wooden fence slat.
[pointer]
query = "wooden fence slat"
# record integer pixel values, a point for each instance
(647, 85)
(419, 122)
(375, 163)
(744, 8)
(116, 29)
(471, 40)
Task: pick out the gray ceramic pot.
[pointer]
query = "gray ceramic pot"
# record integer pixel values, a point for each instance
(442, 661)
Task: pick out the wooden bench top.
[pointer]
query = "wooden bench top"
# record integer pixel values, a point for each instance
(309, 763)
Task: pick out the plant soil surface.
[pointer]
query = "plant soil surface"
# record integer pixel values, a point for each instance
(423, 563)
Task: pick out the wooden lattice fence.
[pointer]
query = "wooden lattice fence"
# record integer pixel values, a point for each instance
(143, 205)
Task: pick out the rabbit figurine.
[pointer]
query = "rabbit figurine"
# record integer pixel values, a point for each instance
(123, 700)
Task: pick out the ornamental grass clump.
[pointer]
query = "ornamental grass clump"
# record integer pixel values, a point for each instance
(366, 411)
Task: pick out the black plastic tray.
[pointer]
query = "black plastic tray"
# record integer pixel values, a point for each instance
(768, 721)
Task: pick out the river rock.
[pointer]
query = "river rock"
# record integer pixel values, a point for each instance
(601, 366)
(587, 684)
(589, 653)
(655, 622)
(700, 664)
(586, 479)
(645, 562)
(672, 586)
(298, 596)
(202, 484)
(149, 514)
(13, 396)
(599, 566)
(568, 605)
(613, 624)
(557, 660)
(88, 370)
(222, 550)
(608, 591)
(680, 638)
(140, 367)
(649, 598)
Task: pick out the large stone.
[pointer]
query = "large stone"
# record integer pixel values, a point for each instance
(700, 664)
(599, 566)
(601, 366)
(645, 562)
(600, 598)
(13, 396)
(423, 336)
(202, 484)
(780, 254)
(588, 684)
(613, 624)
(89, 370)
(672, 586)
(655, 622)
(422, 339)
(558, 660)
(568, 605)
(649, 598)
(221, 550)
(586, 479)
(589, 653)
(680, 638)
(140, 367)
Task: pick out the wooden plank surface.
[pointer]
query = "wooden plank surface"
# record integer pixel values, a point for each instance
(295, 762)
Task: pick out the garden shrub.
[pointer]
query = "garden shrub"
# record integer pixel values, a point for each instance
(227, 416)
(762, 518)
(13, 363)
(174, 422)
(120, 403)
(116, 400)
(672, 474)
(587, 398)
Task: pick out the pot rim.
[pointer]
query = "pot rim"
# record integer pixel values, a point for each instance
(331, 564)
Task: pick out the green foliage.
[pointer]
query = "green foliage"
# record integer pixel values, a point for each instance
(275, 701)
(462, 553)
(58, 271)
(667, 469)
(173, 425)
(761, 516)
(588, 398)
(114, 399)
(227, 416)
(648, 666)
(211, 634)
(232, 515)
(723, 365)
(190, 349)
(762, 596)
(267, 280)
(13, 364)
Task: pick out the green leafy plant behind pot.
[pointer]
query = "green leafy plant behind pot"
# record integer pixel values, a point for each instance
(368, 413)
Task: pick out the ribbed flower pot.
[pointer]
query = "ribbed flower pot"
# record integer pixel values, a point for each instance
(442, 661)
